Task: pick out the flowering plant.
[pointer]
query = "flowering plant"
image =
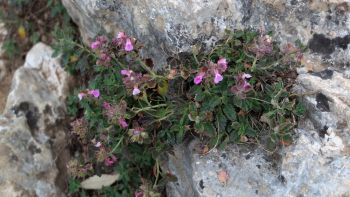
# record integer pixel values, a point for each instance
(129, 113)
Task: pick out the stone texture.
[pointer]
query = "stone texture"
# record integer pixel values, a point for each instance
(312, 166)
(172, 26)
(32, 137)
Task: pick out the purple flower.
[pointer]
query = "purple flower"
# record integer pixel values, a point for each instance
(122, 123)
(94, 93)
(198, 79)
(136, 91)
(98, 144)
(218, 78)
(222, 64)
(95, 45)
(133, 81)
(123, 41)
(100, 40)
(110, 160)
(212, 70)
(138, 194)
(121, 35)
(81, 95)
(128, 45)
(242, 86)
(126, 72)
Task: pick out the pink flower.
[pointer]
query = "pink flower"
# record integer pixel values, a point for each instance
(122, 123)
(94, 93)
(222, 63)
(218, 78)
(123, 41)
(198, 79)
(128, 45)
(81, 95)
(138, 193)
(106, 105)
(121, 35)
(95, 45)
(110, 160)
(242, 85)
(126, 72)
(98, 145)
(100, 40)
(136, 91)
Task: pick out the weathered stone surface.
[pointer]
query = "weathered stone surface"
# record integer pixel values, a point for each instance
(312, 166)
(172, 26)
(32, 137)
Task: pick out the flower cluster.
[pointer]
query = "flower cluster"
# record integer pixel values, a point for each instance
(242, 86)
(110, 160)
(95, 93)
(74, 169)
(263, 46)
(99, 42)
(112, 112)
(212, 71)
(133, 81)
(124, 41)
(138, 135)
(105, 49)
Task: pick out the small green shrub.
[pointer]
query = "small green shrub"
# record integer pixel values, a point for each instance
(28, 22)
(128, 114)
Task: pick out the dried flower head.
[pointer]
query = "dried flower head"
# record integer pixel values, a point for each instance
(138, 135)
(263, 46)
(79, 127)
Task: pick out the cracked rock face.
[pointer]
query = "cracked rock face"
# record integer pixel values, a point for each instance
(32, 137)
(172, 26)
(312, 166)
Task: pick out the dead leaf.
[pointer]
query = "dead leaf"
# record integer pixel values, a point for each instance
(223, 176)
(97, 182)
(243, 138)
(22, 33)
(205, 150)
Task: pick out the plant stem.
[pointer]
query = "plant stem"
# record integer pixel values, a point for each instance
(150, 107)
(157, 175)
(258, 100)
(115, 148)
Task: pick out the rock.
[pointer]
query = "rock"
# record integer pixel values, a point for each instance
(169, 27)
(32, 128)
(328, 104)
(312, 166)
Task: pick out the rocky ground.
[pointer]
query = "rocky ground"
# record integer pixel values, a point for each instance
(317, 163)
(32, 128)
(32, 138)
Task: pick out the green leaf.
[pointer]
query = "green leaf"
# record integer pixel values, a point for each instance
(210, 103)
(73, 186)
(221, 121)
(229, 111)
